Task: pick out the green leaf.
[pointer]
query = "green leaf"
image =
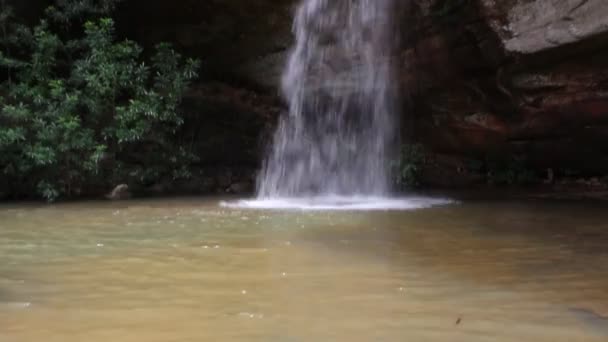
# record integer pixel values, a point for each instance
(73, 101)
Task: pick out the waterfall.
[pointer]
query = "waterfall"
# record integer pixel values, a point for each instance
(341, 129)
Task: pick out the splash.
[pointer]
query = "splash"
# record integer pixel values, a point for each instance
(344, 203)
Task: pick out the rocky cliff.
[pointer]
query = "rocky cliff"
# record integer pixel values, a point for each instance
(512, 80)
(482, 79)
(518, 85)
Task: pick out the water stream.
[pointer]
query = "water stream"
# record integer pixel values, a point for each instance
(340, 131)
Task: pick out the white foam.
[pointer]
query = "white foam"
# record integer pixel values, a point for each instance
(16, 305)
(339, 203)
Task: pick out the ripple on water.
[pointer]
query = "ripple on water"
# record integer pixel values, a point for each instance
(361, 276)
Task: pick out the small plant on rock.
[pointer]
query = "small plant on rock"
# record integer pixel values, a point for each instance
(511, 171)
(407, 169)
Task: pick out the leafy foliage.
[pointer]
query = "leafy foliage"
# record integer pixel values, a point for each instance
(447, 11)
(69, 103)
(407, 169)
(69, 11)
(512, 171)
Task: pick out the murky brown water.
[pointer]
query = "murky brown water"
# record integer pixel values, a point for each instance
(188, 270)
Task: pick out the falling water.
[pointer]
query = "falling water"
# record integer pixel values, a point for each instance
(338, 136)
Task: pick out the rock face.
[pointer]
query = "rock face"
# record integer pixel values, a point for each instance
(480, 79)
(510, 78)
(534, 26)
(120, 192)
(238, 41)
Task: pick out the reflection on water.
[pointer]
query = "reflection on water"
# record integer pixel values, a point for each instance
(190, 270)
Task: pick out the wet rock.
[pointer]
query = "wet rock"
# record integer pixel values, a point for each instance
(512, 78)
(550, 177)
(208, 184)
(595, 182)
(157, 189)
(237, 39)
(224, 180)
(450, 171)
(571, 194)
(533, 26)
(241, 188)
(120, 192)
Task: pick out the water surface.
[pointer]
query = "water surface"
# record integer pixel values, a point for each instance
(191, 270)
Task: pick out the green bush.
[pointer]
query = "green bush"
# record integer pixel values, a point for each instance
(448, 9)
(71, 99)
(407, 168)
(511, 171)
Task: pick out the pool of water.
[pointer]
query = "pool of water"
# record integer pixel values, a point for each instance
(194, 270)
